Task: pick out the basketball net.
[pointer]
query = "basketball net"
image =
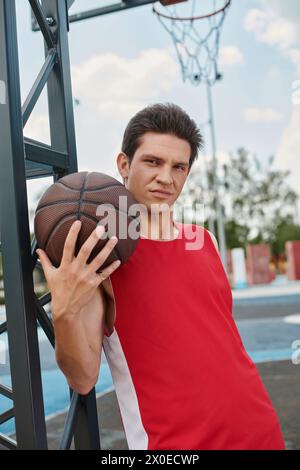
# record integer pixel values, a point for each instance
(195, 34)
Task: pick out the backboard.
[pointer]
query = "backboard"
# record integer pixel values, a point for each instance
(84, 9)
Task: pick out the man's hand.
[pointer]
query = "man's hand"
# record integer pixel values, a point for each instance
(74, 283)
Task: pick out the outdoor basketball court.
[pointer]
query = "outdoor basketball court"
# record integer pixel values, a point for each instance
(34, 397)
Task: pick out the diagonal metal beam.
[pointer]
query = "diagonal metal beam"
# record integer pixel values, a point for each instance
(7, 415)
(8, 442)
(70, 423)
(38, 85)
(42, 22)
(45, 322)
(3, 327)
(7, 392)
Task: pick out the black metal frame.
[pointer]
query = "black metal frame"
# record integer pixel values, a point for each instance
(21, 159)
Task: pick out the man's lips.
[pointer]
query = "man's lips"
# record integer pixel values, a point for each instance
(161, 192)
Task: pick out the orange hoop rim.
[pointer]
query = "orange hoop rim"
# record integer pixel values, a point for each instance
(191, 18)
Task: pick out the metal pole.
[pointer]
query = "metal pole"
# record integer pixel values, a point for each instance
(210, 215)
(20, 158)
(220, 219)
(15, 238)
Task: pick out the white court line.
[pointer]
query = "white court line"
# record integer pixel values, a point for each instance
(294, 319)
(267, 291)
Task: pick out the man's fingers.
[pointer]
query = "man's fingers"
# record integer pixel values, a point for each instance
(89, 244)
(103, 254)
(105, 273)
(70, 243)
(45, 262)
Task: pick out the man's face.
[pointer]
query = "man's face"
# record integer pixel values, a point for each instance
(161, 162)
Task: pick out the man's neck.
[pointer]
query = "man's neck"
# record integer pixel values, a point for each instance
(158, 226)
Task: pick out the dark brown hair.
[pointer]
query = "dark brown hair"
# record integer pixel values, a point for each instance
(162, 118)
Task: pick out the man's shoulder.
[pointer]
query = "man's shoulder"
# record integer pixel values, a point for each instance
(213, 239)
(195, 227)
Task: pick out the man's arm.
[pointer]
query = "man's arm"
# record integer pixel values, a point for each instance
(78, 343)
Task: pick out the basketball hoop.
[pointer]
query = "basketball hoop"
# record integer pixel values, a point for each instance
(196, 36)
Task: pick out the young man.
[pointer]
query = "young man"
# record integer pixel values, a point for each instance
(164, 318)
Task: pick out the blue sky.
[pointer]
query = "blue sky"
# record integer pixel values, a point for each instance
(123, 61)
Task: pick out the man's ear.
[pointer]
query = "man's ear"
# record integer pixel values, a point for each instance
(123, 165)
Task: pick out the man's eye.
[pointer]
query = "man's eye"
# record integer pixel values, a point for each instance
(151, 161)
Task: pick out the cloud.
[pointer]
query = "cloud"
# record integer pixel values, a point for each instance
(230, 55)
(116, 85)
(263, 115)
(277, 23)
(270, 29)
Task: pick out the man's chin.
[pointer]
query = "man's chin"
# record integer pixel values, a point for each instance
(159, 207)
(154, 206)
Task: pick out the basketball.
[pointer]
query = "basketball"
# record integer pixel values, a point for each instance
(77, 196)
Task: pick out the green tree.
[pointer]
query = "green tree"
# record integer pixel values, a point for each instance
(284, 230)
(236, 234)
(255, 200)
(259, 195)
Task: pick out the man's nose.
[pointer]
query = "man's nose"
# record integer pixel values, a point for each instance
(164, 176)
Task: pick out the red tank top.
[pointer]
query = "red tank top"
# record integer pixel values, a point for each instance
(181, 373)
